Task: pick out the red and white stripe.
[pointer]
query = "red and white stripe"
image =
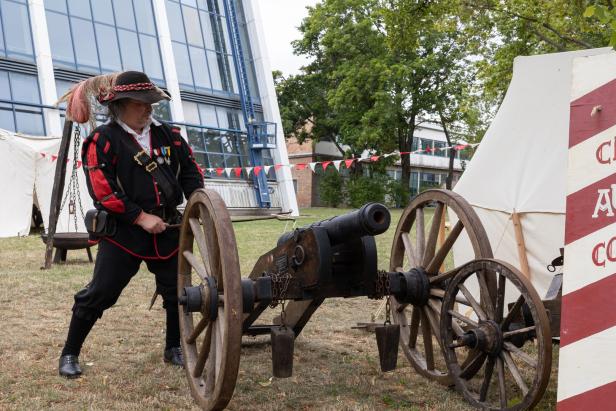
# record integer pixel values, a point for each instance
(587, 363)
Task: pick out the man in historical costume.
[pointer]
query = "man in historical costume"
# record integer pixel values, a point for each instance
(138, 170)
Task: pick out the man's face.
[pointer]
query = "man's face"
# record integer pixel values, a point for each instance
(136, 113)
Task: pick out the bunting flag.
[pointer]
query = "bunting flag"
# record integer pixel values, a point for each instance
(348, 163)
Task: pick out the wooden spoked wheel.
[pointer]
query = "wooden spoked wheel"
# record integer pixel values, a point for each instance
(209, 287)
(416, 245)
(514, 373)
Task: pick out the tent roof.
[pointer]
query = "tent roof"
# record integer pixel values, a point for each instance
(521, 163)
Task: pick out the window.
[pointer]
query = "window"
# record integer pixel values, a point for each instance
(21, 88)
(15, 31)
(438, 145)
(100, 36)
(216, 139)
(200, 38)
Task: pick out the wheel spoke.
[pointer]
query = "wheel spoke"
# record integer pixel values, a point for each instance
(201, 243)
(485, 385)
(515, 372)
(442, 277)
(500, 369)
(420, 233)
(508, 334)
(195, 264)
(486, 299)
(433, 321)
(472, 364)
(520, 354)
(474, 304)
(511, 314)
(427, 340)
(197, 330)
(433, 235)
(440, 256)
(463, 318)
(203, 353)
(414, 327)
(409, 250)
(500, 298)
(437, 292)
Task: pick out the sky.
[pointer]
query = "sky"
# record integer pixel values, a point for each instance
(280, 21)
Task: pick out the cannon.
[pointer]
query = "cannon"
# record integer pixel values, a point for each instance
(452, 323)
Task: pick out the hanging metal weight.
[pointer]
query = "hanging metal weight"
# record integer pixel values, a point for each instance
(283, 341)
(388, 334)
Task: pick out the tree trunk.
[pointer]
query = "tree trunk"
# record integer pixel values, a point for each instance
(406, 142)
(452, 154)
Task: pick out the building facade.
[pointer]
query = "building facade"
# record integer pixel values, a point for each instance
(209, 55)
(429, 169)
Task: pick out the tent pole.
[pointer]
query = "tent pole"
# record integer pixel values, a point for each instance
(519, 237)
(58, 189)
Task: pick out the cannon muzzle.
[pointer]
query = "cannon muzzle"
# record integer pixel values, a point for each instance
(371, 219)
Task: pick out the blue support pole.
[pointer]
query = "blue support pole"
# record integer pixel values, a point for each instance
(252, 126)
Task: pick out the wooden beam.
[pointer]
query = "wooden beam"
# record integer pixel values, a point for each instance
(442, 235)
(519, 237)
(58, 190)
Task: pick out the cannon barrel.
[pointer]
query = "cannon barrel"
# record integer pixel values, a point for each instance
(371, 219)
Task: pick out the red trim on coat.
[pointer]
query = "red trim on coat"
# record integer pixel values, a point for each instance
(177, 143)
(100, 185)
(159, 257)
(106, 149)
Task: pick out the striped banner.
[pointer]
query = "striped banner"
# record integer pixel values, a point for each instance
(587, 363)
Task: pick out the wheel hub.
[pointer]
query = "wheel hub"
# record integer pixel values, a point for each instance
(488, 338)
(202, 298)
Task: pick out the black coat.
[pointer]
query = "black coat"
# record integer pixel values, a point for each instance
(122, 187)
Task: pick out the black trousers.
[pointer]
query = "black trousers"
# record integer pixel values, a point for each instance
(113, 270)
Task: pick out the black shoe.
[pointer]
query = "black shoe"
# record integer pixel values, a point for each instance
(69, 366)
(174, 356)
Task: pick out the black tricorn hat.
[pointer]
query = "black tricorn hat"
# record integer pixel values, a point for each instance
(135, 85)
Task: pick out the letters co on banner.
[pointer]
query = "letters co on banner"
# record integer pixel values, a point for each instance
(587, 361)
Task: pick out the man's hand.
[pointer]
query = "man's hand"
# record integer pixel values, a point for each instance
(151, 223)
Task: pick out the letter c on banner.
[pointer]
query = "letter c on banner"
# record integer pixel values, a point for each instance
(611, 250)
(595, 255)
(601, 151)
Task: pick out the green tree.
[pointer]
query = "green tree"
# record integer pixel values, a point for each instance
(377, 69)
(499, 30)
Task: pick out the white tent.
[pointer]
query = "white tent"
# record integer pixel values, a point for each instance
(520, 168)
(26, 176)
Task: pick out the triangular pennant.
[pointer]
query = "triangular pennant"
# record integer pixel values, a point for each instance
(228, 171)
(210, 170)
(374, 158)
(291, 166)
(78, 163)
(257, 170)
(325, 164)
(349, 162)
(219, 171)
(54, 158)
(337, 164)
(248, 171)
(312, 166)
(267, 169)
(277, 167)
(43, 155)
(405, 152)
(300, 166)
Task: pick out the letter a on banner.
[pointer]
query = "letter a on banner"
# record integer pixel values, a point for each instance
(587, 356)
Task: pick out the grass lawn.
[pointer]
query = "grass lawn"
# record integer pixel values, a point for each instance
(335, 367)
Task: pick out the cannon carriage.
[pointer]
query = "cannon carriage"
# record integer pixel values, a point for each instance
(452, 323)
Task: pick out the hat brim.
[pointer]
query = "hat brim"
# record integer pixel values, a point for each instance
(147, 96)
